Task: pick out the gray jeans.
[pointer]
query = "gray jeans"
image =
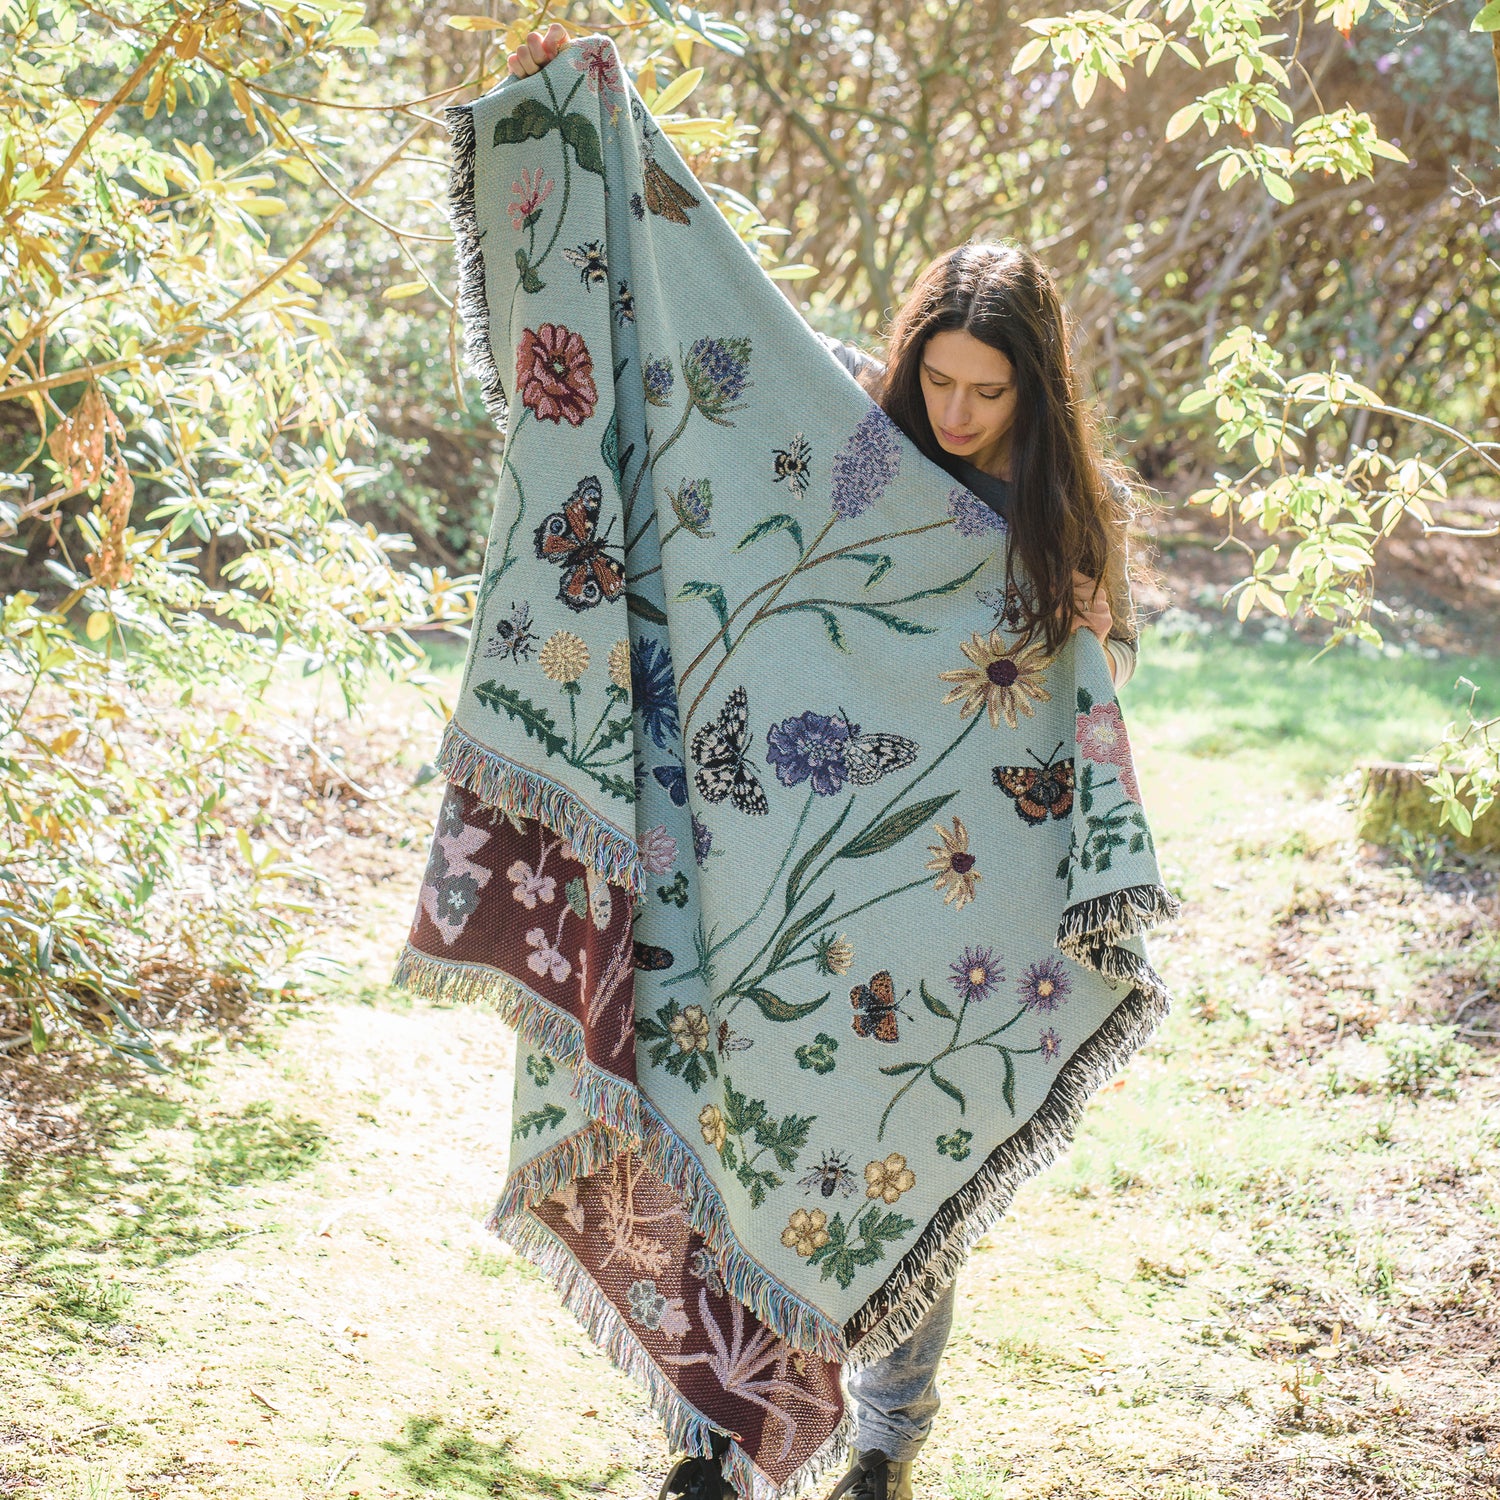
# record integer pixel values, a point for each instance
(896, 1398)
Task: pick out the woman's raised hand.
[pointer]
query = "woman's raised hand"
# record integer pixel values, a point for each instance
(1091, 606)
(537, 50)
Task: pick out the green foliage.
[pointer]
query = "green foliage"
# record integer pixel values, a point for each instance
(860, 1243)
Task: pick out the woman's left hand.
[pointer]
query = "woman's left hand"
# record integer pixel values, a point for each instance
(1091, 606)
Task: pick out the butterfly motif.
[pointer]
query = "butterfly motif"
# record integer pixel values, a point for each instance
(719, 748)
(876, 1008)
(649, 956)
(1038, 790)
(674, 779)
(730, 1040)
(665, 196)
(868, 757)
(570, 537)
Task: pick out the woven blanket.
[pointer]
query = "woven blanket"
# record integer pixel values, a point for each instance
(813, 889)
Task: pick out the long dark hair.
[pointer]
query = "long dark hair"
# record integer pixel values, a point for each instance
(1070, 506)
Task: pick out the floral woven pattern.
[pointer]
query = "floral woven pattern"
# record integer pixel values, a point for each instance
(814, 892)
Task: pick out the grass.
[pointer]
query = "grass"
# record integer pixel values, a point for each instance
(265, 1277)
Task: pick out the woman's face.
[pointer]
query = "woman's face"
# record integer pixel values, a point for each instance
(970, 392)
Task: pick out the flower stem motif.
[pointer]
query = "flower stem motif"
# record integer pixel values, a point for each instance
(806, 1231)
(1002, 682)
(1051, 1042)
(564, 657)
(693, 505)
(1046, 985)
(890, 1178)
(657, 380)
(716, 372)
(955, 1145)
(689, 1028)
(956, 875)
(654, 691)
(529, 195)
(976, 974)
(1102, 738)
(971, 516)
(833, 955)
(619, 665)
(866, 464)
(711, 1123)
(658, 850)
(810, 746)
(555, 373)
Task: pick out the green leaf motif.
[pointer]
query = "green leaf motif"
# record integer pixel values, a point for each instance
(774, 1008)
(530, 120)
(950, 1089)
(697, 589)
(898, 623)
(530, 281)
(576, 894)
(580, 134)
(879, 564)
(639, 605)
(769, 525)
(889, 832)
(934, 1004)
(803, 865)
(548, 1117)
(609, 445)
(788, 939)
(784, 1140)
(1008, 1088)
(1085, 700)
(537, 722)
(862, 1244)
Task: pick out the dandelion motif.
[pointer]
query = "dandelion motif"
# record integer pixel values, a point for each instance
(564, 657)
(716, 373)
(619, 665)
(866, 464)
(833, 955)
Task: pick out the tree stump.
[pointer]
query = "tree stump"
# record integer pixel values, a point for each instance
(1393, 801)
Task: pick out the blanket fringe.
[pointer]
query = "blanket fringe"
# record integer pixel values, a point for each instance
(688, 1429)
(501, 783)
(933, 1262)
(1115, 917)
(604, 1098)
(473, 300)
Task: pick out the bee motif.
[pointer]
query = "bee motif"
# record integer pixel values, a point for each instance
(513, 637)
(830, 1176)
(792, 463)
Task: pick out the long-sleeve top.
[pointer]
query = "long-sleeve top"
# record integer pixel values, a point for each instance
(995, 492)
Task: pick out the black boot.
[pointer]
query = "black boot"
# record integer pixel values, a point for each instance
(873, 1476)
(700, 1478)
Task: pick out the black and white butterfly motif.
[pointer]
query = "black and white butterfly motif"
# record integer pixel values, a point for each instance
(719, 751)
(513, 637)
(792, 464)
(868, 757)
(593, 269)
(570, 537)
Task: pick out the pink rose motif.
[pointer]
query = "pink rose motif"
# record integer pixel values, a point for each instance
(546, 960)
(555, 373)
(528, 887)
(1102, 739)
(658, 851)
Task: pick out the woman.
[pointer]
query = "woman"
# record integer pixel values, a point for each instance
(979, 378)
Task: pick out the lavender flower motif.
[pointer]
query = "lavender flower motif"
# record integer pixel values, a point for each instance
(703, 839)
(715, 371)
(657, 380)
(867, 462)
(653, 690)
(971, 516)
(809, 746)
(1051, 1042)
(976, 974)
(1046, 985)
(693, 504)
